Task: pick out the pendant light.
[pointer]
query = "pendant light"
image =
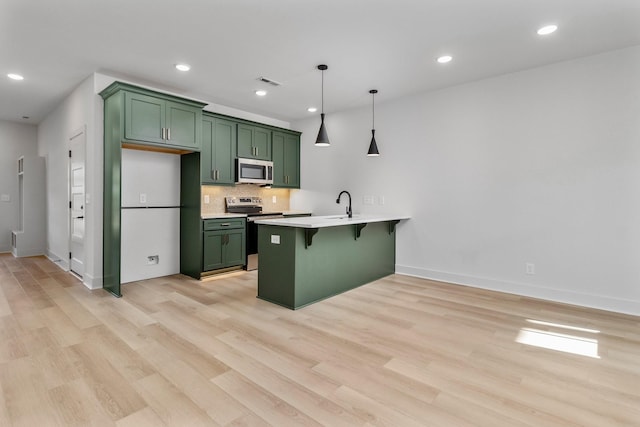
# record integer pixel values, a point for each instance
(373, 147)
(323, 138)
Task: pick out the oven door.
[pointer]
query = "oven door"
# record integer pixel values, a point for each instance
(252, 240)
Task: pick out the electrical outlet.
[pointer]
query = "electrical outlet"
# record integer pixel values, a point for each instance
(153, 259)
(367, 200)
(5, 198)
(381, 200)
(273, 199)
(143, 198)
(275, 239)
(530, 268)
(206, 199)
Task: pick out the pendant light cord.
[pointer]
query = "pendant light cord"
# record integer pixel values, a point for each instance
(374, 110)
(322, 74)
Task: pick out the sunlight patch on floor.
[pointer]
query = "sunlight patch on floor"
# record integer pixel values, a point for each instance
(560, 342)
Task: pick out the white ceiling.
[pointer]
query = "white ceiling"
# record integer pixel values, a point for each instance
(390, 45)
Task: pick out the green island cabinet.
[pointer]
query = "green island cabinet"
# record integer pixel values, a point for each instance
(218, 150)
(223, 243)
(300, 266)
(254, 142)
(139, 118)
(286, 159)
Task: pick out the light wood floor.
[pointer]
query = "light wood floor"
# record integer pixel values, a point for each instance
(397, 352)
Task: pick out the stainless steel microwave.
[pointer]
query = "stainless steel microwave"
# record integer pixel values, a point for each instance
(251, 171)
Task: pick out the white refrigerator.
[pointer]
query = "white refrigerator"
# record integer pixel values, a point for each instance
(150, 233)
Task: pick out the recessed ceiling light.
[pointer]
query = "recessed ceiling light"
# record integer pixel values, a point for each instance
(15, 76)
(444, 59)
(261, 92)
(312, 109)
(183, 67)
(547, 29)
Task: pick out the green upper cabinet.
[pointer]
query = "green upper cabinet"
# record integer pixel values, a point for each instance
(145, 118)
(183, 125)
(254, 142)
(218, 151)
(153, 118)
(286, 160)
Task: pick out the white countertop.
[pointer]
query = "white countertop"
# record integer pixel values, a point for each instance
(242, 215)
(330, 220)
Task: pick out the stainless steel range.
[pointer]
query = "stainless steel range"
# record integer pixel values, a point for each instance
(252, 206)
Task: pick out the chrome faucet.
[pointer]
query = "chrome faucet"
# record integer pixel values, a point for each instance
(348, 207)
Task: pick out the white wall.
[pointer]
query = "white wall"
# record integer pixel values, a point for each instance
(16, 140)
(540, 166)
(81, 109)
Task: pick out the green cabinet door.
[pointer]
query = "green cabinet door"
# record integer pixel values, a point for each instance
(183, 125)
(144, 118)
(262, 143)
(213, 250)
(286, 160)
(254, 142)
(234, 250)
(224, 151)
(218, 151)
(207, 172)
(245, 141)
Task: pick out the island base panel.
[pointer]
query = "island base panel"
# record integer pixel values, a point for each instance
(294, 276)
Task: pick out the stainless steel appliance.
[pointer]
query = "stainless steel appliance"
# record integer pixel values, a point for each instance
(251, 171)
(252, 206)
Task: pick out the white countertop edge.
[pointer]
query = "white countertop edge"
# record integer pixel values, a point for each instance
(330, 220)
(243, 215)
(223, 215)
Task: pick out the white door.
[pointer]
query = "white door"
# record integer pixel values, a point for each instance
(76, 202)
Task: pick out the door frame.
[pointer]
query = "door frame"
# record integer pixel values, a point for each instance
(73, 135)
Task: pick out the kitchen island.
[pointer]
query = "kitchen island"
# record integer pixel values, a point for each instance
(307, 259)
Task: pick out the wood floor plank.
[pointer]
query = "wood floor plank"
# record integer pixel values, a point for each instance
(172, 407)
(399, 351)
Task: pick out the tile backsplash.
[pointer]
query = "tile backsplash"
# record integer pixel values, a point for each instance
(218, 193)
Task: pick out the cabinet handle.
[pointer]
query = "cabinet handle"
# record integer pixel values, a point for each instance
(226, 239)
(225, 224)
(162, 137)
(168, 133)
(217, 174)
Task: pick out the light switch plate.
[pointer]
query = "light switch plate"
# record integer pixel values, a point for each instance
(5, 198)
(275, 239)
(206, 199)
(143, 198)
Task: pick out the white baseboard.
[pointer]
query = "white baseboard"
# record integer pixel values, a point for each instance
(59, 261)
(92, 282)
(601, 302)
(88, 280)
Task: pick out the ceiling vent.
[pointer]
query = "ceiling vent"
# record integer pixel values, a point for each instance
(269, 81)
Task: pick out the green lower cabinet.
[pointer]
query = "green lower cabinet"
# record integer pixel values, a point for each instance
(223, 244)
(286, 160)
(294, 273)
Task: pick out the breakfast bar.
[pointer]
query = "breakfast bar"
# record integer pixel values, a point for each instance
(308, 259)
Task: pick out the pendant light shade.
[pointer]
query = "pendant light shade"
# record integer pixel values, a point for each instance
(373, 146)
(323, 138)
